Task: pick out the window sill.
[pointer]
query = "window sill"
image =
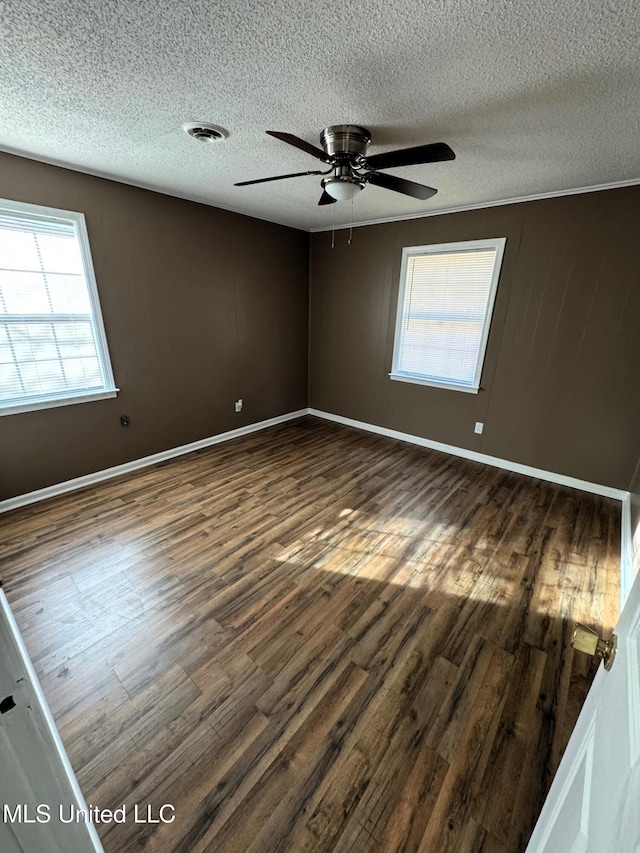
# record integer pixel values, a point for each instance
(58, 401)
(418, 380)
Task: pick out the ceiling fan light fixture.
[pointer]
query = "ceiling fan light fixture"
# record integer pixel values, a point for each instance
(342, 188)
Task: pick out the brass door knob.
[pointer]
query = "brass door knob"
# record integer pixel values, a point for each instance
(587, 640)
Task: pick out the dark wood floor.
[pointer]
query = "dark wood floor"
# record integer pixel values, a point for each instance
(315, 639)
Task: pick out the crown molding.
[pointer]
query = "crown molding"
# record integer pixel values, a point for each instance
(107, 176)
(615, 185)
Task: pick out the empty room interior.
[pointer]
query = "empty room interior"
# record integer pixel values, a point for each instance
(316, 444)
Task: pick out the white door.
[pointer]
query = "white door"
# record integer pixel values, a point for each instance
(36, 778)
(593, 805)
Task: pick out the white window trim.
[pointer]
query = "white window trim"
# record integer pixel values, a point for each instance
(498, 244)
(434, 383)
(62, 399)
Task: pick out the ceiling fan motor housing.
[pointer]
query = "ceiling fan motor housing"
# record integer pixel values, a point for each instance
(345, 139)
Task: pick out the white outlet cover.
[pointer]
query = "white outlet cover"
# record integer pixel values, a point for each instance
(478, 427)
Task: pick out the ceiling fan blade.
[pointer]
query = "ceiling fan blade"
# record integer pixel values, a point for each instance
(325, 198)
(436, 152)
(400, 185)
(276, 178)
(301, 144)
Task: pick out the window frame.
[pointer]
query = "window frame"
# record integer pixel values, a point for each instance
(8, 206)
(497, 243)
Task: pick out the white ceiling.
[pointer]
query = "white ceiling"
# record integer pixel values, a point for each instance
(534, 96)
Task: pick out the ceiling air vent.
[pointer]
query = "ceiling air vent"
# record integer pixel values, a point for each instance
(204, 132)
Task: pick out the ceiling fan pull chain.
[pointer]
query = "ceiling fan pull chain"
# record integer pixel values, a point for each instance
(333, 230)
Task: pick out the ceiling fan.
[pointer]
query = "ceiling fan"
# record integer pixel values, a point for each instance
(344, 148)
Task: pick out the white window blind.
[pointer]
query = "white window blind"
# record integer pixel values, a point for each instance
(444, 312)
(52, 342)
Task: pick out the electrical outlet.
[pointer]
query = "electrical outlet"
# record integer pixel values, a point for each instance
(478, 428)
(238, 405)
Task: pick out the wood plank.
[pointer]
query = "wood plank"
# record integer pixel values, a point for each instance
(315, 639)
(462, 786)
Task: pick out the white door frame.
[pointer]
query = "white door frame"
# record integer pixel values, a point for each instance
(35, 769)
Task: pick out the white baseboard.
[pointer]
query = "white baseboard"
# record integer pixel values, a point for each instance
(626, 556)
(135, 464)
(626, 545)
(494, 461)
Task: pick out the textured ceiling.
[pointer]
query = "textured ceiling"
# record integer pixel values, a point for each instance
(534, 96)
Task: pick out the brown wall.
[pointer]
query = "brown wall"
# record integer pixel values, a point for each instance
(201, 306)
(560, 387)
